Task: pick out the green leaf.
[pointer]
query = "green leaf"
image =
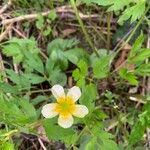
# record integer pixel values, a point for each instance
(47, 31)
(57, 51)
(34, 62)
(139, 56)
(143, 70)
(7, 146)
(129, 76)
(58, 77)
(28, 109)
(16, 113)
(99, 2)
(16, 48)
(135, 12)
(7, 88)
(89, 94)
(80, 73)
(40, 22)
(101, 67)
(61, 44)
(52, 15)
(137, 44)
(33, 78)
(55, 132)
(118, 5)
(137, 133)
(76, 54)
(39, 99)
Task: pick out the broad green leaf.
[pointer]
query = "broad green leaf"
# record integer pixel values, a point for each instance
(34, 62)
(7, 146)
(40, 22)
(28, 109)
(16, 48)
(52, 15)
(80, 73)
(136, 133)
(76, 54)
(101, 67)
(55, 132)
(89, 94)
(58, 77)
(7, 88)
(61, 44)
(33, 78)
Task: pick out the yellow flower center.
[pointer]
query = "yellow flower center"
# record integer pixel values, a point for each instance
(65, 106)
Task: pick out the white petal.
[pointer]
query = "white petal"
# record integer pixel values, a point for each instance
(58, 91)
(65, 122)
(75, 93)
(81, 111)
(48, 110)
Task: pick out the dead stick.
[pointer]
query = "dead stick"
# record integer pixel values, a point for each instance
(2, 35)
(5, 7)
(63, 9)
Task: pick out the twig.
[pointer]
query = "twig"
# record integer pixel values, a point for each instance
(2, 35)
(5, 7)
(41, 143)
(62, 9)
(18, 32)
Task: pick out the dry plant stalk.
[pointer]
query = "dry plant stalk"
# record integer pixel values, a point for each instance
(62, 9)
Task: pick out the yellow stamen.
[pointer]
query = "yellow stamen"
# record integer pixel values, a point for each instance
(65, 106)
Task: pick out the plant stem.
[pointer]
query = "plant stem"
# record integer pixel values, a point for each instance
(109, 16)
(83, 28)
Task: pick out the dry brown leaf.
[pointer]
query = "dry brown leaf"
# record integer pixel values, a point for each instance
(67, 32)
(122, 60)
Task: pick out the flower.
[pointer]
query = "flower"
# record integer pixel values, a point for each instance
(65, 106)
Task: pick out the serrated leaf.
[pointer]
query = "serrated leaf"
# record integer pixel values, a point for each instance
(135, 12)
(137, 133)
(89, 94)
(80, 73)
(118, 5)
(101, 67)
(16, 48)
(55, 132)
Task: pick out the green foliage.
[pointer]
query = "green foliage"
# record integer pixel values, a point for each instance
(7, 146)
(129, 76)
(16, 112)
(89, 95)
(61, 51)
(17, 47)
(131, 9)
(55, 132)
(101, 67)
(41, 23)
(30, 70)
(98, 140)
(142, 123)
(137, 57)
(80, 73)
